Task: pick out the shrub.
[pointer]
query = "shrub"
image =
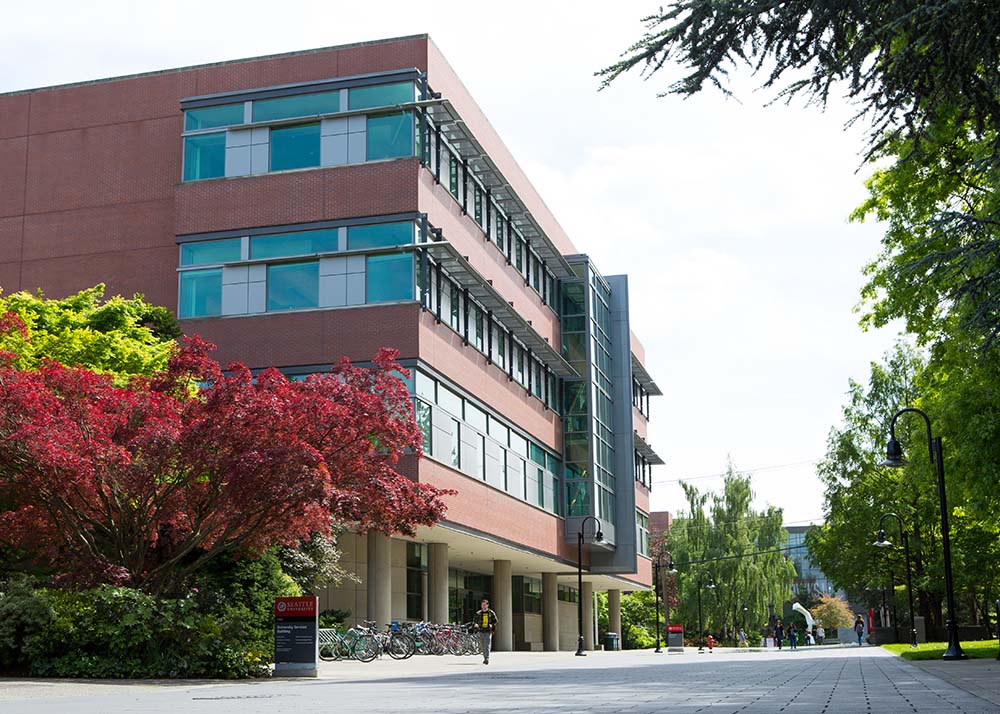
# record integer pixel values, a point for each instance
(23, 615)
(754, 638)
(111, 632)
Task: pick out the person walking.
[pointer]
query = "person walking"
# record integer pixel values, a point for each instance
(743, 638)
(820, 634)
(486, 625)
(779, 633)
(859, 628)
(791, 636)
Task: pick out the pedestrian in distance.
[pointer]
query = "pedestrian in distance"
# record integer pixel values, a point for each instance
(486, 625)
(791, 636)
(743, 638)
(779, 633)
(808, 637)
(859, 628)
(820, 634)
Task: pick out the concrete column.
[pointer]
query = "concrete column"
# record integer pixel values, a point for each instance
(437, 582)
(587, 596)
(379, 578)
(503, 605)
(615, 612)
(550, 612)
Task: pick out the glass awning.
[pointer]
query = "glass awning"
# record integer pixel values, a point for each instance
(646, 450)
(460, 270)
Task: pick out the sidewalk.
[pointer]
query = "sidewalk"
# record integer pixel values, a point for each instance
(976, 676)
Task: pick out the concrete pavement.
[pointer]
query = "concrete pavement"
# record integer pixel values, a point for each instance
(813, 680)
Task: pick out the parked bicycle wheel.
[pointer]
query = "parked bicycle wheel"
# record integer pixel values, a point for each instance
(401, 646)
(365, 648)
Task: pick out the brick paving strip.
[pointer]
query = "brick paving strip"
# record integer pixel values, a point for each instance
(810, 681)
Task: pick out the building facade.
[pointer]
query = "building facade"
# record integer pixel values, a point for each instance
(302, 207)
(809, 579)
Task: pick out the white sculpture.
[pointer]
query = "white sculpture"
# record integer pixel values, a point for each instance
(797, 607)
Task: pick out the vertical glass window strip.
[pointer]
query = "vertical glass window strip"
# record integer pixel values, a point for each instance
(456, 444)
(477, 204)
(201, 293)
(519, 255)
(292, 286)
(480, 331)
(295, 147)
(204, 156)
(211, 117)
(455, 315)
(390, 136)
(453, 166)
(423, 413)
(389, 278)
(501, 349)
(301, 105)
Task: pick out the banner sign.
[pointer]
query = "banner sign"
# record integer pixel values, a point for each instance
(296, 629)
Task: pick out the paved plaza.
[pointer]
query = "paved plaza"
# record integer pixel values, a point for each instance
(835, 680)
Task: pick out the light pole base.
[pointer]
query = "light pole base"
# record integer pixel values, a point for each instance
(580, 648)
(954, 650)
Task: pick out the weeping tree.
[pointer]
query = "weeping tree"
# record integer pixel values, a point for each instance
(722, 541)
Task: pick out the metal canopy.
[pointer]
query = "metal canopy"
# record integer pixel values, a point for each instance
(646, 450)
(458, 134)
(469, 278)
(640, 373)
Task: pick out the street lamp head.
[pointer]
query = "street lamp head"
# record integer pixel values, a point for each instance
(710, 584)
(894, 454)
(599, 536)
(671, 568)
(882, 542)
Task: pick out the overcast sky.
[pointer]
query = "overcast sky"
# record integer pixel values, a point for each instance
(728, 216)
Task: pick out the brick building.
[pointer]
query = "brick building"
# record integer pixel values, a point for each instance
(300, 207)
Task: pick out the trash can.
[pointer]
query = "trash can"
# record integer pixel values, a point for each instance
(611, 643)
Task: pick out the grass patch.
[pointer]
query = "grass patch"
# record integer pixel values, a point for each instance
(978, 649)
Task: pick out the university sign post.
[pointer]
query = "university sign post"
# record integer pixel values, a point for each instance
(296, 631)
(675, 638)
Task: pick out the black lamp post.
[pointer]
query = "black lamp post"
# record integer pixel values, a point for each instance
(701, 623)
(894, 458)
(883, 543)
(598, 537)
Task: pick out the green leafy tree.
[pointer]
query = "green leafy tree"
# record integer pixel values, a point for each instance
(926, 77)
(119, 336)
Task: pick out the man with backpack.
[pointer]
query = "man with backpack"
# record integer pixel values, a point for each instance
(486, 625)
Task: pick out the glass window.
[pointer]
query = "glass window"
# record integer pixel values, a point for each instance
(425, 387)
(480, 328)
(303, 105)
(519, 445)
(211, 251)
(295, 147)
(211, 117)
(537, 454)
(205, 156)
(390, 277)
(201, 293)
(292, 286)
(519, 256)
(380, 95)
(577, 498)
(501, 349)
(499, 431)
(390, 136)
(449, 401)
(475, 417)
(286, 244)
(423, 417)
(455, 444)
(381, 235)
(455, 317)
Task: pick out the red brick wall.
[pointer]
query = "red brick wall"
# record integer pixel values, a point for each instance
(309, 338)
(373, 189)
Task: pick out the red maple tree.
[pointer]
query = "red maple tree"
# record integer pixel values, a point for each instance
(143, 484)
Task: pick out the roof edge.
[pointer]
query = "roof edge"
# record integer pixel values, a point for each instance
(223, 63)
